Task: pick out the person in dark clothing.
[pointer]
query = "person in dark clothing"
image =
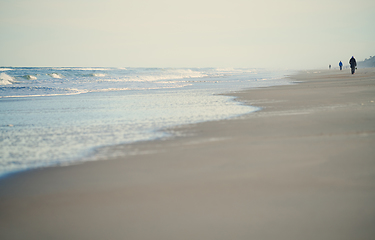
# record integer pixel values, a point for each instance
(340, 65)
(353, 64)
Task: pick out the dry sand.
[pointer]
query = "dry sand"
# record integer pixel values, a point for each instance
(301, 168)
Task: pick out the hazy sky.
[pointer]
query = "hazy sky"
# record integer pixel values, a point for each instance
(195, 33)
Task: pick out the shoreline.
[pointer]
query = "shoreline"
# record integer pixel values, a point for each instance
(89, 153)
(301, 167)
(76, 125)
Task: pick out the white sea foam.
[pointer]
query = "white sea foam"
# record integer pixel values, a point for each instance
(6, 79)
(169, 75)
(92, 69)
(31, 77)
(80, 68)
(5, 69)
(55, 75)
(99, 75)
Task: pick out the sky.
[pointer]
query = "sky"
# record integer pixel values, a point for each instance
(291, 34)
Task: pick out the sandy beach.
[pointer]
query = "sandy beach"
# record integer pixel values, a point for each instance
(303, 167)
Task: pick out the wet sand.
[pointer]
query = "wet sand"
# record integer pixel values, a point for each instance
(303, 167)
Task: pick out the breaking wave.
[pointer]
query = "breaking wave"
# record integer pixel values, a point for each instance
(6, 79)
(31, 77)
(55, 75)
(45, 81)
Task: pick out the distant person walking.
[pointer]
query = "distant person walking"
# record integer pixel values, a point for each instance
(329, 66)
(353, 64)
(340, 65)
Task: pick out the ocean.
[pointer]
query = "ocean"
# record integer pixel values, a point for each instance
(59, 116)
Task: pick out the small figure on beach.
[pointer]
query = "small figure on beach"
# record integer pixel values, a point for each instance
(353, 64)
(340, 65)
(329, 66)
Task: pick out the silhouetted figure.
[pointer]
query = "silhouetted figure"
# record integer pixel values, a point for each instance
(340, 65)
(353, 64)
(329, 66)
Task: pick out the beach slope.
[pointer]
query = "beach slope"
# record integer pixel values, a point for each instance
(303, 167)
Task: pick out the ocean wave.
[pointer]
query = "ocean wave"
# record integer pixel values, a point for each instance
(6, 79)
(30, 77)
(98, 75)
(139, 88)
(55, 75)
(168, 75)
(37, 91)
(93, 79)
(234, 70)
(5, 69)
(81, 68)
(92, 69)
